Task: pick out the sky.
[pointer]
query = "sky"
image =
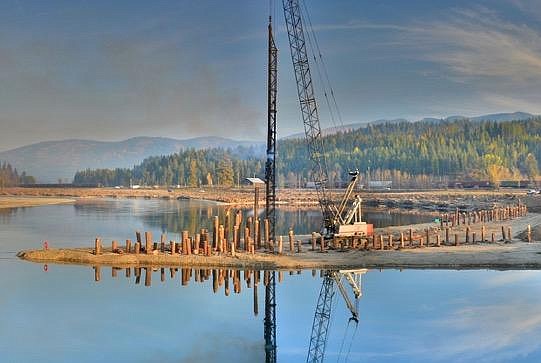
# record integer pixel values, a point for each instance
(110, 70)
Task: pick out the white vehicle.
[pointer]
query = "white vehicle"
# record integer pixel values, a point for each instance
(533, 191)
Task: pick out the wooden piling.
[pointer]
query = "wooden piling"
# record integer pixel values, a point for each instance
(411, 237)
(163, 239)
(137, 248)
(493, 237)
(438, 242)
(509, 236)
(322, 243)
(313, 241)
(267, 234)
(529, 233)
(128, 246)
(148, 242)
(401, 240)
(468, 234)
(215, 226)
(446, 235)
(114, 246)
(503, 233)
(456, 239)
(280, 244)
(97, 246)
(291, 240)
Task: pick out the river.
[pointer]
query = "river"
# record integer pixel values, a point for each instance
(64, 315)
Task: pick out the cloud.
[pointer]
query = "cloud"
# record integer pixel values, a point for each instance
(494, 332)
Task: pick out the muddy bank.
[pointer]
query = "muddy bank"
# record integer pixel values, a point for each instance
(15, 202)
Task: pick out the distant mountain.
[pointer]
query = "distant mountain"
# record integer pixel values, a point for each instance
(498, 117)
(53, 160)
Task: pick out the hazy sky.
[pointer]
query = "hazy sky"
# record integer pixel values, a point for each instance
(110, 70)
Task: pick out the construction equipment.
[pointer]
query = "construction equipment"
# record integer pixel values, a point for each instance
(270, 206)
(342, 220)
(322, 316)
(347, 213)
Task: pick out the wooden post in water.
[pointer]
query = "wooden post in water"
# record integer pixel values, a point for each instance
(215, 226)
(411, 237)
(381, 243)
(291, 240)
(197, 243)
(97, 246)
(427, 237)
(322, 243)
(313, 241)
(246, 238)
(299, 246)
(114, 246)
(128, 246)
(438, 242)
(280, 244)
(473, 237)
(529, 233)
(138, 237)
(257, 233)
(148, 242)
(456, 239)
(172, 247)
(509, 236)
(236, 235)
(468, 234)
(503, 233)
(137, 248)
(163, 239)
(447, 235)
(493, 237)
(401, 239)
(391, 246)
(267, 234)
(483, 234)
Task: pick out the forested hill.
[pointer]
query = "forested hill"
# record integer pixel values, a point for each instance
(405, 152)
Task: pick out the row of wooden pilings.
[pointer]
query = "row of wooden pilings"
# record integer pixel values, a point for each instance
(224, 240)
(444, 235)
(483, 216)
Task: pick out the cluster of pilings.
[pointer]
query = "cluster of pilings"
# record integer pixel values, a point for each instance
(231, 237)
(221, 278)
(228, 237)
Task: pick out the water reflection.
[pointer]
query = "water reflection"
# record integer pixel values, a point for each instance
(175, 216)
(232, 280)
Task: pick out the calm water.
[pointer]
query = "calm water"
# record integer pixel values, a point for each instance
(64, 315)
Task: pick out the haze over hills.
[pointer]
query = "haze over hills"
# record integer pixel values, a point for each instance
(53, 160)
(498, 117)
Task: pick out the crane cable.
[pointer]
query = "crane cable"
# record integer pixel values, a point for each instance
(327, 79)
(324, 79)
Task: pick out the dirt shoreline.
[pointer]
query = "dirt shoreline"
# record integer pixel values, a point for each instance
(503, 254)
(19, 202)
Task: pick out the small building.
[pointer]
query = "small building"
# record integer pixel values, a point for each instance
(256, 182)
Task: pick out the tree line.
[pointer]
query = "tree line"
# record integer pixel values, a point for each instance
(10, 177)
(409, 154)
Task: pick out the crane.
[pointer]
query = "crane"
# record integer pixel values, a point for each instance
(343, 219)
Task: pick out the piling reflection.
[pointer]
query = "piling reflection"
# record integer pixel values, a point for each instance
(227, 280)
